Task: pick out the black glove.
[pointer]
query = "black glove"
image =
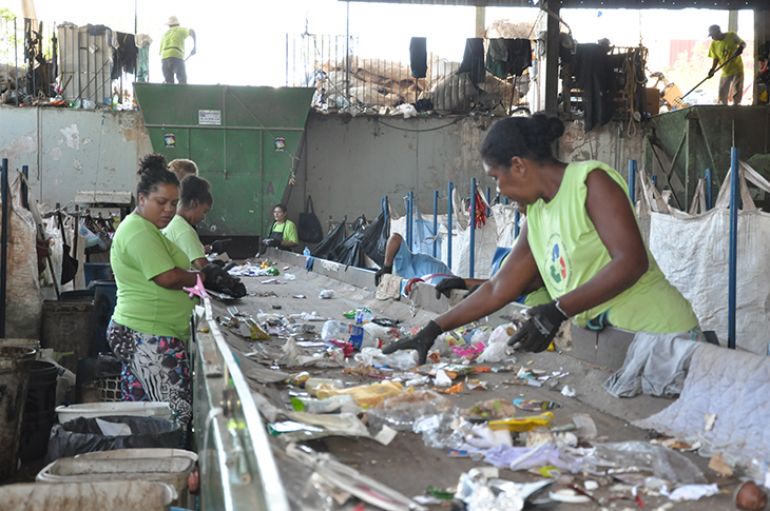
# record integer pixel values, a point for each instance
(271, 242)
(446, 286)
(539, 330)
(739, 50)
(218, 246)
(711, 73)
(382, 271)
(421, 341)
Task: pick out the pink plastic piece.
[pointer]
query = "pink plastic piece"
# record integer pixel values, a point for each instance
(198, 289)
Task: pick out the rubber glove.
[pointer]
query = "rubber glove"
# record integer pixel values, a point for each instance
(539, 330)
(421, 341)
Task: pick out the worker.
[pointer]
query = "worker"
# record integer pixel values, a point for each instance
(182, 168)
(194, 205)
(172, 51)
(581, 238)
(283, 232)
(726, 49)
(150, 326)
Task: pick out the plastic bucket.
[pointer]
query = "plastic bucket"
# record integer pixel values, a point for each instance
(39, 415)
(88, 496)
(14, 374)
(96, 271)
(105, 297)
(82, 435)
(172, 471)
(159, 409)
(139, 453)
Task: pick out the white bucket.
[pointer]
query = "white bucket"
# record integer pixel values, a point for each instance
(172, 471)
(148, 452)
(158, 409)
(88, 496)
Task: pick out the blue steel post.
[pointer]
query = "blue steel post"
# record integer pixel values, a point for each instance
(632, 180)
(489, 199)
(409, 219)
(709, 190)
(735, 205)
(516, 218)
(24, 188)
(435, 223)
(472, 224)
(4, 196)
(450, 189)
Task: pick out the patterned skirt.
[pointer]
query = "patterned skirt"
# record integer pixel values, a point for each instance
(155, 368)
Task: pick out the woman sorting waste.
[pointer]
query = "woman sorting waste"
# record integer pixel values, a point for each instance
(195, 203)
(283, 232)
(150, 327)
(581, 237)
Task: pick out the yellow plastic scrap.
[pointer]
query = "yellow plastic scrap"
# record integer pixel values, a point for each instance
(365, 396)
(521, 424)
(256, 333)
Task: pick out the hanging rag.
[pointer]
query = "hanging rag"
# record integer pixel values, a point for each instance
(124, 56)
(519, 55)
(497, 58)
(418, 57)
(594, 75)
(473, 60)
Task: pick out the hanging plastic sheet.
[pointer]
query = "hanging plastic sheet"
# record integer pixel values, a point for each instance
(376, 235)
(331, 241)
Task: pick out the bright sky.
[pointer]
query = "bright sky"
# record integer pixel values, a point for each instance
(242, 42)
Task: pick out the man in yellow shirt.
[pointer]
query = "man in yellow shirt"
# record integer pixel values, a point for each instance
(172, 53)
(726, 49)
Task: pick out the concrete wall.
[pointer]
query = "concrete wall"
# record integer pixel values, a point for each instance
(73, 150)
(349, 163)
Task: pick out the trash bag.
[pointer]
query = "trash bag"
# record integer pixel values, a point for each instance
(376, 235)
(83, 435)
(333, 239)
(349, 251)
(310, 230)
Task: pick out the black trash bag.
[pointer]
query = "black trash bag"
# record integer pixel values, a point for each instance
(349, 252)
(310, 230)
(218, 280)
(82, 435)
(331, 241)
(376, 235)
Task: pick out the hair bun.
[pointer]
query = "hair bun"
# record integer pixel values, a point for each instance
(152, 164)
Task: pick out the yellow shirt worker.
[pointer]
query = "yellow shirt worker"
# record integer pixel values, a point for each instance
(172, 52)
(726, 49)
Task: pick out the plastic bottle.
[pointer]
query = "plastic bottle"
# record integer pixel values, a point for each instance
(336, 330)
(357, 332)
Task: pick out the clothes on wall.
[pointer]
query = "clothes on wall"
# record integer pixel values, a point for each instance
(473, 59)
(508, 57)
(124, 56)
(593, 72)
(418, 57)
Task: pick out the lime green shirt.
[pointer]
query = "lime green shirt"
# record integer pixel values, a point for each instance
(184, 236)
(288, 229)
(139, 253)
(569, 253)
(172, 44)
(723, 50)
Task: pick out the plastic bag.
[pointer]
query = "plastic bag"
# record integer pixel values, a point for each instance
(400, 412)
(85, 435)
(331, 241)
(366, 396)
(401, 360)
(376, 235)
(309, 227)
(349, 251)
(443, 431)
(628, 456)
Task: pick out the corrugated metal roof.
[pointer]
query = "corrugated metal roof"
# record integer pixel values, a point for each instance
(594, 4)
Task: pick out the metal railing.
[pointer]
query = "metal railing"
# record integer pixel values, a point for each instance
(348, 81)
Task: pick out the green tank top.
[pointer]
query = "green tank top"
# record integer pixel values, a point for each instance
(569, 252)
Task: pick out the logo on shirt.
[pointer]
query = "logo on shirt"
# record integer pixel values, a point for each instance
(558, 263)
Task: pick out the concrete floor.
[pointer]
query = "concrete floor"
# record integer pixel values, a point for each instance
(407, 465)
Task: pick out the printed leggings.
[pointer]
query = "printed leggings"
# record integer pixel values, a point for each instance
(155, 368)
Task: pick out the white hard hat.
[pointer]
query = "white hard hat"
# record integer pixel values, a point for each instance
(172, 21)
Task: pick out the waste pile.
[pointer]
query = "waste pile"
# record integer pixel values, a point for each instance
(527, 450)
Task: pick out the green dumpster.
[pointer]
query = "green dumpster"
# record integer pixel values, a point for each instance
(245, 140)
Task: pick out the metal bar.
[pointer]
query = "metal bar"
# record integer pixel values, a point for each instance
(489, 200)
(24, 187)
(3, 241)
(450, 189)
(472, 225)
(287, 59)
(409, 219)
(632, 180)
(735, 205)
(709, 190)
(16, 57)
(516, 219)
(435, 223)
(347, 52)
(203, 127)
